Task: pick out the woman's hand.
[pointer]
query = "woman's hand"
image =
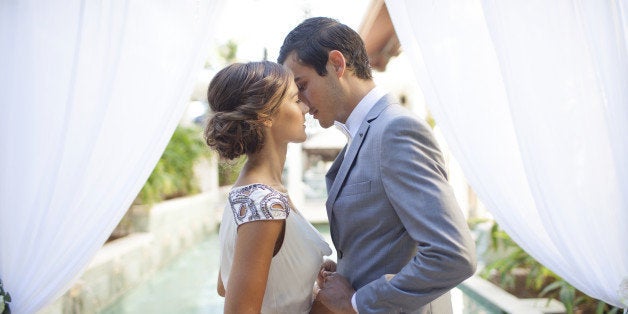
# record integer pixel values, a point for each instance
(328, 266)
(336, 293)
(220, 287)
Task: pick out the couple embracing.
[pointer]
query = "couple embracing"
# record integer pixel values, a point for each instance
(402, 242)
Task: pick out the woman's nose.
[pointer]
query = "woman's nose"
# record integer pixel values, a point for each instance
(305, 108)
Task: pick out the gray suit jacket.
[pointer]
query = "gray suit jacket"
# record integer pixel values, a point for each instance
(392, 211)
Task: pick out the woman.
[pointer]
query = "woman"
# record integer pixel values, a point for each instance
(270, 254)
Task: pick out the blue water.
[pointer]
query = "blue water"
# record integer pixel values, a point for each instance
(188, 286)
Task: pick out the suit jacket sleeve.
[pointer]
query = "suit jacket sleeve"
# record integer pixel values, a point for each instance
(416, 185)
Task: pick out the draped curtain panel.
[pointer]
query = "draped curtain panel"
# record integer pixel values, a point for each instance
(90, 93)
(532, 99)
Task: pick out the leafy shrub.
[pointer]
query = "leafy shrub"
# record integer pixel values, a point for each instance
(229, 170)
(539, 280)
(5, 298)
(173, 175)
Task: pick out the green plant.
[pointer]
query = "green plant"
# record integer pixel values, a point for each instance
(539, 280)
(229, 170)
(575, 300)
(5, 298)
(229, 51)
(564, 292)
(173, 175)
(430, 120)
(515, 258)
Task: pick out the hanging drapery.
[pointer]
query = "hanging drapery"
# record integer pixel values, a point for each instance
(90, 94)
(531, 97)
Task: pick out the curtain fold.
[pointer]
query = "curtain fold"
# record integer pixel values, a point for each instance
(531, 97)
(90, 94)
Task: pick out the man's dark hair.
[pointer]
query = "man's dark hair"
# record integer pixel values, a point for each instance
(314, 38)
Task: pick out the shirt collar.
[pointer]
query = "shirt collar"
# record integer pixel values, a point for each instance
(350, 128)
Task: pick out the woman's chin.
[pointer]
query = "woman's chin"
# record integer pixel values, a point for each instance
(301, 139)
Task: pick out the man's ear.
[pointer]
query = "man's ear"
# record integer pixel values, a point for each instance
(338, 62)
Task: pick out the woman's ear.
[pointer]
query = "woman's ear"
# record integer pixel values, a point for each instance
(338, 62)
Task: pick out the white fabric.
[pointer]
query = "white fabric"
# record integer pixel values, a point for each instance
(294, 269)
(362, 109)
(531, 97)
(352, 125)
(354, 304)
(343, 128)
(90, 94)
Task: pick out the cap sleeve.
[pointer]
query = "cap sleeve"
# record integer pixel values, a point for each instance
(258, 202)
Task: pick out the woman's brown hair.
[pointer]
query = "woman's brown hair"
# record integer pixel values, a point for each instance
(243, 96)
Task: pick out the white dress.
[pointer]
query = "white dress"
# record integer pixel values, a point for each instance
(294, 268)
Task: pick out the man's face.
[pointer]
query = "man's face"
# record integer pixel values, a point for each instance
(320, 93)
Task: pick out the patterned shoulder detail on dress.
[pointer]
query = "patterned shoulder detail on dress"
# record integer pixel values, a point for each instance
(258, 202)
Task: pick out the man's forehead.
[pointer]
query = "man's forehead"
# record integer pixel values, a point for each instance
(298, 70)
(293, 56)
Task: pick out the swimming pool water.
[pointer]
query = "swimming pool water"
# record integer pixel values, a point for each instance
(188, 286)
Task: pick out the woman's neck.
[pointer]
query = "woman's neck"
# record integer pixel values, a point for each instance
(265, 166)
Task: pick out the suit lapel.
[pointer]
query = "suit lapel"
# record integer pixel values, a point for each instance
(333, 170)
(346, 165)
(345, 162)
(331, 175)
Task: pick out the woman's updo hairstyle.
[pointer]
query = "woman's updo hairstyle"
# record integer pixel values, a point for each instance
(243, 96)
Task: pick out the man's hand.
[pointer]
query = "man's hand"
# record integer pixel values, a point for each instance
(336, 293)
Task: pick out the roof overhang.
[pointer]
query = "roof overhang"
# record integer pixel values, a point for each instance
(379, 35)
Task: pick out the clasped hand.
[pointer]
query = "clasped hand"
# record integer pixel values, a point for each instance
(334, 291)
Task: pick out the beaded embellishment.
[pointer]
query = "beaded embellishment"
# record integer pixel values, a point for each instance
(258, 202)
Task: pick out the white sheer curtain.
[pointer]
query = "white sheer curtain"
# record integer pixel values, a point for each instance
(532, 98)
(90, 94)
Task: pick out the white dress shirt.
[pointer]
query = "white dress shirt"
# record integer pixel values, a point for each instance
(350, 128)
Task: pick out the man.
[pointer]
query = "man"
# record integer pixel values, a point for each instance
(401, 239)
